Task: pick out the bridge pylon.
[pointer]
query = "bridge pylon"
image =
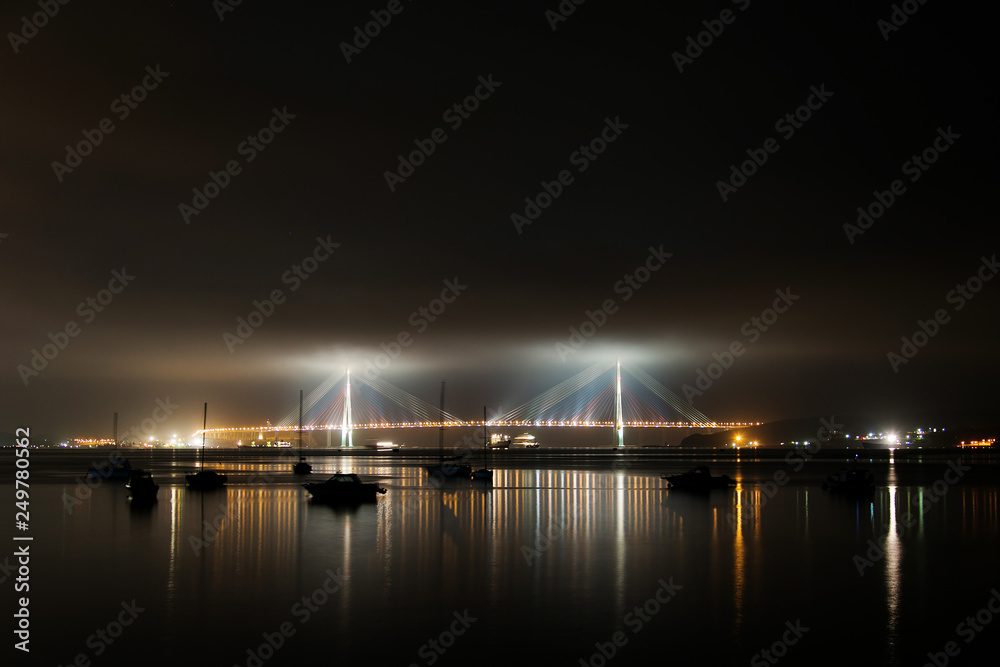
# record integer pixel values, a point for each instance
(347, 427)
(619, 419)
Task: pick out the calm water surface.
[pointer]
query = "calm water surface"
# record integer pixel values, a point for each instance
(554, 563)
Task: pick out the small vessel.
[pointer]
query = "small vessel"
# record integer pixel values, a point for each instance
(698, 479)
(141, 486)
(344, 488)
(853, 480)
(525, 440)
(448, 466)
(484, 474)
(205, 480)
(302, 467)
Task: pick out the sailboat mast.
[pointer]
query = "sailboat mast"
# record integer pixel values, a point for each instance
(441, 429)
(486, 441)
(300, 422)
(115, 436)
(204, 425)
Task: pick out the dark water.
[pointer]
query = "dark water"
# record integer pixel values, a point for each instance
(555, 563)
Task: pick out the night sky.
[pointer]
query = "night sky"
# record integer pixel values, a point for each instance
(308, 125)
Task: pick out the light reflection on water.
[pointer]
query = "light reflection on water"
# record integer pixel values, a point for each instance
(555, 558)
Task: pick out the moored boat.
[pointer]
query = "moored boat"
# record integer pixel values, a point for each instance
(484, 474)
(205, 480)
(141, 486)
(698, 479)
(447, 468)
(344, 488)
(302, 467)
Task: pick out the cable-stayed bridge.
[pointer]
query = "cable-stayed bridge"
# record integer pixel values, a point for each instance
(603, 395)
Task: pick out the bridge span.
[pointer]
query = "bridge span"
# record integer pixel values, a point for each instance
(594, 398)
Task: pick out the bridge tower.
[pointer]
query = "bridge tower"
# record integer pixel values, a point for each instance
(347, 427)
(619, 420)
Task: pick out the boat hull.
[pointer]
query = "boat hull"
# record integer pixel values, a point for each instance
(141, 487)
(206, 480)
(144, 493)
(698, 479)
(366, 495)
(450, 470)
(678, 482)
(344, 488)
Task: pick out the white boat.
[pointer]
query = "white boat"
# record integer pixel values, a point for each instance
(525, 440)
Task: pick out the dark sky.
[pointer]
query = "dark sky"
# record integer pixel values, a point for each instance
(553, 91)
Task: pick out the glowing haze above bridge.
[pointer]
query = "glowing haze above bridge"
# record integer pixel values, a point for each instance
(603, 395)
